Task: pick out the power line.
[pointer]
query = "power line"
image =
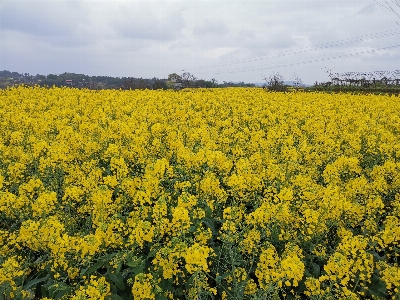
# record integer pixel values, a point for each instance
(306, 61)
(306, 49)
(309, 49)
(389, 75)
(321, 57)
(395, 12)
(396, 2)
(382, 7)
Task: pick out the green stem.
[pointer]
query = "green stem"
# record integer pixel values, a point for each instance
(208, 275)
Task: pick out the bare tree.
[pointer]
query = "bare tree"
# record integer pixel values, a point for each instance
(275, 82)
(297, 82)
(188, 80)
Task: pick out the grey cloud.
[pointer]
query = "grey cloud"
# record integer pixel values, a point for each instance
(211, 26)
(247, 34)
(58, 24)
(12, 18)
(368, 9)
(161, 23)
(42, 18)
(269, 40)
(158, 37)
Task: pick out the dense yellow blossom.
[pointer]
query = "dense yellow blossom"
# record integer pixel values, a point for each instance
(196, 258)
(143, 287)
(97, 289)
(206, 193)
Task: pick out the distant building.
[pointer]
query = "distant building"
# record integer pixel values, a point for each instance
(68, 82)
(177, 85)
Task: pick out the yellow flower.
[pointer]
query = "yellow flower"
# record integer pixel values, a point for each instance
(96, 289)
(178, 177)
(143, 287)
(196, 258)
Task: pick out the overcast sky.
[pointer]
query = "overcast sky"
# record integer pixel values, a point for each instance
(244, 40)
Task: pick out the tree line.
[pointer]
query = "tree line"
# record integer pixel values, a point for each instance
(174, 81)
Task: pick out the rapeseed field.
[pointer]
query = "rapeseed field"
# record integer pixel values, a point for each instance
(198, 194)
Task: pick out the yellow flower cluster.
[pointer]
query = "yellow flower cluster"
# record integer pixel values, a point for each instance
(143, 287)
(274, 271)
(219, 193)
(196, 258)
(97, 289)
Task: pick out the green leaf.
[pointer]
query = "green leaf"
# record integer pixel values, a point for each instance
(125, 273)
(161, 297)
(34, 282)
(152, 253)
(41, 259)
(2, 290)
(62, 293)
(116, 297)
(132, 264)
(92, 269)
(118, 269)
(138, 269)
(56, 290)
(119, 282)
(275, 236)
(137, 266)
(377, 256)
(166, 284)
(107, 258)
(210, 223)
(192, 229)
(209, 212)
(43, 291)
(377, 287)
(316, 270)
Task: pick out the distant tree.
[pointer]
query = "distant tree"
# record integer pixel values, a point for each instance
(170, 84)
(201, 83)
(275, 82)
(297, 82)
(174, 77)
(6, 73)
(38, 76)
(52, 77)
(159, 84)
(128, 84)
(188, 80)
(141, 85)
